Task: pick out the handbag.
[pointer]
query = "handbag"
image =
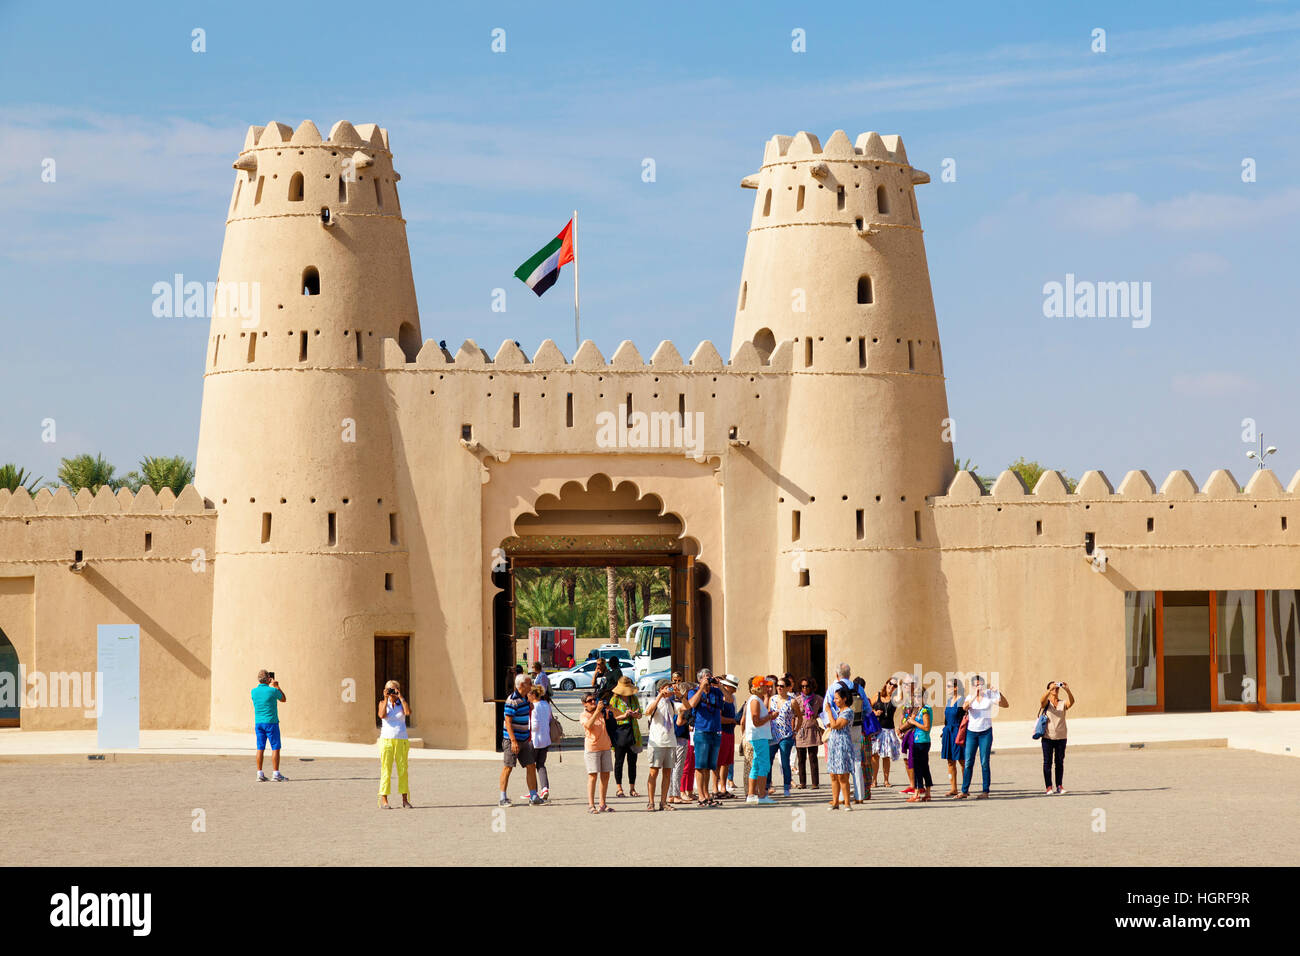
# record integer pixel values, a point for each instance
(961, 731)
(1040, 726)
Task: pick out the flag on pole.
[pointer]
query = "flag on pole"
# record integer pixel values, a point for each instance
(542, 269)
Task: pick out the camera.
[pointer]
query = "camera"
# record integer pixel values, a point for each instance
(271, 675)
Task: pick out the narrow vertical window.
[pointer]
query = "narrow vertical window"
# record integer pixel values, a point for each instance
(310, 281)
(332, 529)
(356, 333)
(744, 294)
(295, 188)
(794, 525)
(857, 224)
(911, 197)
(798, 201)
(266, 527)
(839, 198)
(864, 290)
(882, 201)
(1151, 525)
(862, 351)
(388, 580)
(252, 346)
(379, 195)
(302, 346)
(805, 578)
(916, 520)
(861, 525)
(392, 528)
(515, 412)
(234, 203)
(257, 197)
(807, 352)
(216, 352)
(911, 357)
(568, 410)
(629, 409)
(148, 541)
(681, 408)
(343, 190)
(1038, 527)
(767, 203)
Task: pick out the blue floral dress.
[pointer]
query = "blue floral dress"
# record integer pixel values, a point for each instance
(839, 749)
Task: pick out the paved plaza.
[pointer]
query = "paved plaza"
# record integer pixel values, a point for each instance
(1153, 808)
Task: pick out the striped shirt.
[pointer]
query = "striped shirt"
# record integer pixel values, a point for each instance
(516, 718)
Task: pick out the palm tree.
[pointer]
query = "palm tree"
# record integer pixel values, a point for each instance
(82, 471)
(13, 478)
(159, 473)
(611, 603)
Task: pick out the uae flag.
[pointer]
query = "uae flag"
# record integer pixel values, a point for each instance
(543, 267)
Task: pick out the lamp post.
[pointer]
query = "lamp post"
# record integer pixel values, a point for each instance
(1263, 452)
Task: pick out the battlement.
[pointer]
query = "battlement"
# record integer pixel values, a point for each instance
(107, 502)
(588, 358)
(342, 134)
(1136, 486)
(804, 145)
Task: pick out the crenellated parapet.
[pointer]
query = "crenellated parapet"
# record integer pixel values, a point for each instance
(61, 502)
(588, 358)
(1135, 514)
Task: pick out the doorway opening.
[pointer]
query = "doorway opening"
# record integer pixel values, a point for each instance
(393, 662)
(11, 689)
(805, 656)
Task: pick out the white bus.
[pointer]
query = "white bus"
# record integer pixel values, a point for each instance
(651, 639)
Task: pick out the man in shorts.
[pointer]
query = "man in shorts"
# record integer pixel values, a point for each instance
(663, 742)
(267, 698)
(706, 702)
(517, 742)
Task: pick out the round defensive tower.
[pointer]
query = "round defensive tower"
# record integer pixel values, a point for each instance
(835, 263)
(295, 447)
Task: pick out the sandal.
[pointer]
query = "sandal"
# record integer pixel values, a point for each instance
(668, 806)
(592, 810)
(621, 794)
(632, 792)
(606, 809)
(650, 807)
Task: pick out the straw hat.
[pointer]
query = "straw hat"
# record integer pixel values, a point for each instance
(625, 687)
(731, 681)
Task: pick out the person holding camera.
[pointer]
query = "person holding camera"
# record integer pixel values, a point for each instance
(394, 745)
(706, 703)
(1054, 735)
(663, 743)
(980, 705)
(596, 751)
(267, 697)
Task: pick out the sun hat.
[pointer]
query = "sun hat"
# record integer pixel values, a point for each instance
(625, 687)
(730, 681)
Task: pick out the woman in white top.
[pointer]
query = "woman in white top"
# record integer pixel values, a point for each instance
(979, 705)
(758, 734)
(394, 745)
(663, 743)
(539, 730)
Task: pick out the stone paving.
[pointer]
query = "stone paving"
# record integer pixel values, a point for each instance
(1151, 807)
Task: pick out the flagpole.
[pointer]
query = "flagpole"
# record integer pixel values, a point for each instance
(577, 336)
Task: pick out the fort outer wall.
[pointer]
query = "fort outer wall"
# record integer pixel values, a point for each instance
(1026, 605)
(163, 583)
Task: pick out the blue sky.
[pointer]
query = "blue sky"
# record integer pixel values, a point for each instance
(1116, 166)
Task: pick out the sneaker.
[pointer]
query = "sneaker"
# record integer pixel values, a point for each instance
(1060, 790)
(1049, 791)
(908, 790)
(786, 792)
(751, 800)
(261, 777)
(544, 793)
(504, 802)
(536, 801)
(766, 801)
(278, 777)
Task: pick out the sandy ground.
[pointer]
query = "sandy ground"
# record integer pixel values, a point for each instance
(1155, 808)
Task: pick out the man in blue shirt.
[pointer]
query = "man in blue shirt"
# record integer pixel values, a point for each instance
(267, 698)
(707, 704)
